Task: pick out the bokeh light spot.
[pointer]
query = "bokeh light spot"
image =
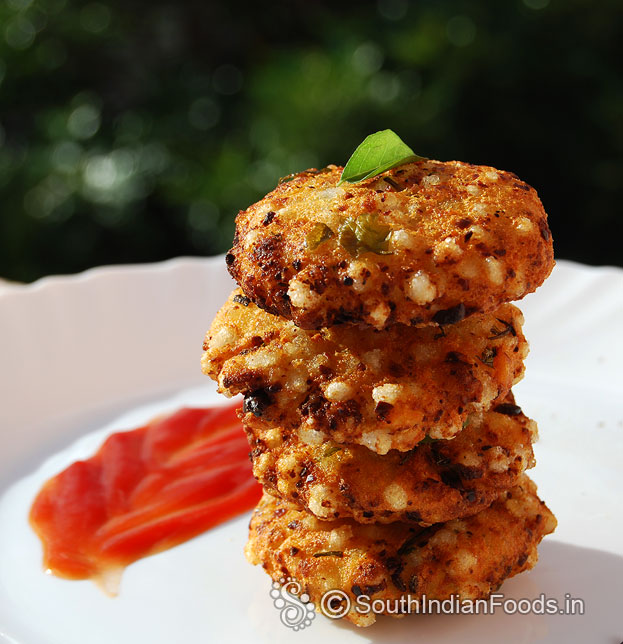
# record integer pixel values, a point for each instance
(95, 17)
(227, 79)
(262, 175)
(130, 126)
(84, 121)
(19, 5)
(461, 31)
(203, 113)
(66, 156)
(264, 134)
(51, 53)
(368, 58)
(384, 87)
(393, 9)
(46, 199)
(19, 33)
(100, 173)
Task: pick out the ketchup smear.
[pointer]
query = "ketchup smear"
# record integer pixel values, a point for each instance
(145, 490)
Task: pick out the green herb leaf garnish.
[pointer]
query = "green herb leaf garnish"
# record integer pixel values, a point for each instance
(488, 355)
(379, 152)
(500, 333)
(408, 546)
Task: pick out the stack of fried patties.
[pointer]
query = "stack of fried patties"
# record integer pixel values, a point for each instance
(375, 346)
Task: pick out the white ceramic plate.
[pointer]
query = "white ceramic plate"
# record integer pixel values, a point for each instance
(105, 350)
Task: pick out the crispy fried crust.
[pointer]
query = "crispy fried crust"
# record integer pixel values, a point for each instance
(383, 389)
(434, 482)
(469, 557)
(426, 242)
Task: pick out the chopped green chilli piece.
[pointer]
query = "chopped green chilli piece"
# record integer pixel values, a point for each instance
(364, 234)
(318, 234)
(331, 450)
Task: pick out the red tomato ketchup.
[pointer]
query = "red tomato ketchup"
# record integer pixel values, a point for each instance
(144, 491)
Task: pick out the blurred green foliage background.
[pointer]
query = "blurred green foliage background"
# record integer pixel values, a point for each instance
(134, 131)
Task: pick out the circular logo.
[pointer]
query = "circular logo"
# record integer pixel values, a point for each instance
(335, 604)
(296, 610)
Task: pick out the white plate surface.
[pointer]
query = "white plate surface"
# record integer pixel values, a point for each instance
(86, 355)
